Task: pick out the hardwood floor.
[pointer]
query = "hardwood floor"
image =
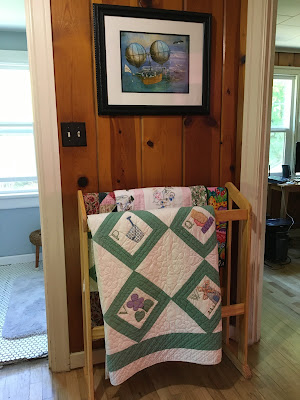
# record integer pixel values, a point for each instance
(275, 363)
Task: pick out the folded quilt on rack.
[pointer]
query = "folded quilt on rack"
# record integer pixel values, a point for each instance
(159, 287)
(160, 197)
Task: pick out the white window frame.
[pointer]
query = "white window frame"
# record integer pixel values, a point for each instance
(17, 199)
(292, 134)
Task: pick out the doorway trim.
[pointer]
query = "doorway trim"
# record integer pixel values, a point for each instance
(260, 55)
(40, 52)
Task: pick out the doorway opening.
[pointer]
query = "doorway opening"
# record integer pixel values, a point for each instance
(281, 286)
(23, 328)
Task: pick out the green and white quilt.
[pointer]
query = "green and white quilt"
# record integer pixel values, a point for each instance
(158, 281)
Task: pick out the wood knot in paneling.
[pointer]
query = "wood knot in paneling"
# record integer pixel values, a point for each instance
(150, 144)
(188, 121)
(210, 121)
(145, 3)
(232, 168)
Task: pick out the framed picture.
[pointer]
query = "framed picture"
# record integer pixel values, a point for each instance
(150, 61)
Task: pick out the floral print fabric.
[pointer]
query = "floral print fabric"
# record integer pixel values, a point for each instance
(97, 203)
(217, 197)
(199, 195)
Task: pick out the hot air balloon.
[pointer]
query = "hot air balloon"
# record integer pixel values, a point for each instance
(135, 54)
(160, 52)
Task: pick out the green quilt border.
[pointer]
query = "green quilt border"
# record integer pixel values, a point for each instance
(192, 341)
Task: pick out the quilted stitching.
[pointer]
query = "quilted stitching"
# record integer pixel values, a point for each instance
(141, 327)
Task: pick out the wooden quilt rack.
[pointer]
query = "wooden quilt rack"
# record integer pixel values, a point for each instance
(237, 351)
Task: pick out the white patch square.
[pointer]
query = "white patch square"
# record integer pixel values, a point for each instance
(170, 263)
(200, 223)
(137, 308)
(206, 297)
(130, 232)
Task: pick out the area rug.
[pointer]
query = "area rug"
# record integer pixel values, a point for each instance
(26, 314)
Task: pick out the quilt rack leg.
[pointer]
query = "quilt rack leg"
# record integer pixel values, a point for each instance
(238, 352)
(88, 352)
(231, 352)
(243, 283)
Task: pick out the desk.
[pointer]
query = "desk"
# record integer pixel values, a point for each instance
(285, 189)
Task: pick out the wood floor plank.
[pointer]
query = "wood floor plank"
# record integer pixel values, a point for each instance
(60, 386)
(82, 386)
(73, 386)
(36, 391)
(48, 390)
(17, 384)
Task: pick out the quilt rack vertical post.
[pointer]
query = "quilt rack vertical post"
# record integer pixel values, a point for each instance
(86, 301)
(238, 352)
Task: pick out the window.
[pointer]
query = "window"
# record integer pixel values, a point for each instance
(17, 155)
(284, 119)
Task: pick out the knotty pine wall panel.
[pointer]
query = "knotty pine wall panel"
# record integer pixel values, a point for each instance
(136, 151)
(230, 87)
(202, 134)
(241, 90)
(162, 136)
(119, 140)
(72, 50)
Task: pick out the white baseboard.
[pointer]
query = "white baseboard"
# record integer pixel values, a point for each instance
(21, 258)
(77, 359)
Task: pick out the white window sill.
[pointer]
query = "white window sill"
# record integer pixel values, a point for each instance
(19, 200)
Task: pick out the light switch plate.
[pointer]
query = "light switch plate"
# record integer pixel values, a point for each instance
(73, 134)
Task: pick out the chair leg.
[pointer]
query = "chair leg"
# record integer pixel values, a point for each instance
(37, 256)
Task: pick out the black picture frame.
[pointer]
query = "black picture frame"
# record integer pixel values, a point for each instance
(199, 103)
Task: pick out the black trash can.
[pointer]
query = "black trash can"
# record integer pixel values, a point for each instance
(277, 239)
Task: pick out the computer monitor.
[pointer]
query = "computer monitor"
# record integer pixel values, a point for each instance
(297, 163)
(286, 171)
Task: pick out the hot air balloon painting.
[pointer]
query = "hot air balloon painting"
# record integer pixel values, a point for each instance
(153, 62)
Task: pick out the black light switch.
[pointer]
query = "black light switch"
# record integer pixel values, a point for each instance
(73, 134)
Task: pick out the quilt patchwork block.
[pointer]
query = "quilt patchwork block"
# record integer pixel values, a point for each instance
(158, 280)
(160, 197)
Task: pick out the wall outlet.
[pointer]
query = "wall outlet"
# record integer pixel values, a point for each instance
(73, 134)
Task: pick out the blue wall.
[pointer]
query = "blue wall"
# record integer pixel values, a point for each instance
(15, 228)
(11, 40)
